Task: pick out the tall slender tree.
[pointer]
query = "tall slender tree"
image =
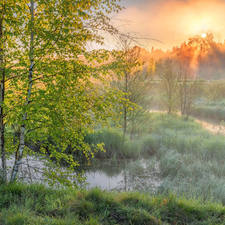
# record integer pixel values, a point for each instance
(131, 61)
(21, 146)
(2, 92)
(46, 91)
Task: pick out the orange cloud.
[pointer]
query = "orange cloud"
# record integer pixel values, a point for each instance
(173, 21)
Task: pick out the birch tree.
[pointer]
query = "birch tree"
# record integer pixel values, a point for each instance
(46, 91)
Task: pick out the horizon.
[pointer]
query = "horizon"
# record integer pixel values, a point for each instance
(171, 22)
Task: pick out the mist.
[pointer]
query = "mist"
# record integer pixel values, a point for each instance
(173, 22)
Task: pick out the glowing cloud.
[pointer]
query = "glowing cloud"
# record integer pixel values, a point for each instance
(174, 21)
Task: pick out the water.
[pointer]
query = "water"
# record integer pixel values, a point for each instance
(31, 169)
(140, 175)
(143, 174)
(213, 127)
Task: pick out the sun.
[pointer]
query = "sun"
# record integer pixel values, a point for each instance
(204, 35)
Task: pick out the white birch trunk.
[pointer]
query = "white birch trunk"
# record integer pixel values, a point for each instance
(2, 92)
(19, 152)
(2, 132)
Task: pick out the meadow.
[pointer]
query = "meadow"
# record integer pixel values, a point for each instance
(36, 204)
(191, 159)
(191, 162)
(69, 104)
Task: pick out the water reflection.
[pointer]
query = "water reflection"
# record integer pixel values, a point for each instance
(212, 126)
(31, 169)
(138, 175)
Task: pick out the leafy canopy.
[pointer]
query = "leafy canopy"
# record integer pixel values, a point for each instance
(69, 96)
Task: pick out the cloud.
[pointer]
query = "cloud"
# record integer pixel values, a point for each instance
(174, 21)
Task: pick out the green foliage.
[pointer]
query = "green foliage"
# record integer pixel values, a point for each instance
(62, 97)
(137, 91)
(40, 205)
(112, 141)
(114, 144)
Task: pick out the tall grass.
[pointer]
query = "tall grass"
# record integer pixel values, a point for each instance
(191, 158)
(213, 110)
(191, 162)
(115, 144)
(36, 204)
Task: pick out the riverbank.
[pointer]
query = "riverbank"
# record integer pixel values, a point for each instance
(37, 204)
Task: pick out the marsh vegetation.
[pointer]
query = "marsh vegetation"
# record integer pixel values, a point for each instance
(80, 141)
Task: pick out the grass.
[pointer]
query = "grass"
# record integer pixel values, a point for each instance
(115, 144)
(212, 110)
(191, 158)
(191, 162)
(36, 204)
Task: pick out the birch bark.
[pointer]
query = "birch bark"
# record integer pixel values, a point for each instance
(20, 150)
(2, 93)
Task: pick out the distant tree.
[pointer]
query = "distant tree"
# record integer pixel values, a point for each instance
(152, 49)
(187, 90)
(131, 56)
(168, 85)
(151, 68)
(215, 90)
(158, 66)
(131, 61)
(138, 117)
(200, 44)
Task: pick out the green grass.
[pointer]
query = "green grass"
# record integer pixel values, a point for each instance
(36, 204)
(192, 167)
(191, 158)
(212, 110)
(115, 144)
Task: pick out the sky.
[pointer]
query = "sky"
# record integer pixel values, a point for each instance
(172, 21)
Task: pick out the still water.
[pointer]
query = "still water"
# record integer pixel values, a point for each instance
(141, 175)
